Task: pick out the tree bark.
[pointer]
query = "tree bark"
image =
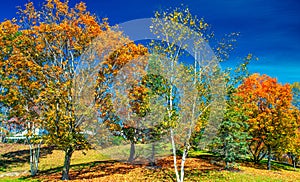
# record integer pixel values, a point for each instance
(34, 157)
(152, 162)
(269, 157)
(258, 154)
(174, 154)
(293, 157)
(184, 155)
(132, 151)
(32, 170)
(67, 162)
(226, 156)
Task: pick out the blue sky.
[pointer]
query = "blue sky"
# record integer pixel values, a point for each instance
(270, 29)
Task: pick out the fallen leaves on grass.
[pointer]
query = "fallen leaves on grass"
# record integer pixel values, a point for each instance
(120, 171)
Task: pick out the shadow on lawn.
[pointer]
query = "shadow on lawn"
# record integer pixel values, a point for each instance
(275, 165)
(17, 158)
(96, 169)
(103, 169)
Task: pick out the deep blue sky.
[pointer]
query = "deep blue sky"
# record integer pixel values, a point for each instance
(270, 29)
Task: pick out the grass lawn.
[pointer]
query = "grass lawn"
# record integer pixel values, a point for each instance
(97, 165)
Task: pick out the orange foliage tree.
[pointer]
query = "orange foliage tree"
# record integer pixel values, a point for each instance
(40, 54)
(268, 106)
(21, 80)
(293, 147)
(116, 63)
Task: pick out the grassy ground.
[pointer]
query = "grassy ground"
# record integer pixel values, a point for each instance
(94, 166)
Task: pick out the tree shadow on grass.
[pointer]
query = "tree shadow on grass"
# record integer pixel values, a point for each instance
(275, 165)
(102, 169)
(96, 169)
(17, 158)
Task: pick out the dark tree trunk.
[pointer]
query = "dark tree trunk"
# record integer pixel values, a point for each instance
(269, 157)
(152, 162)
(226, 156)
(66, 168)
(132, 152)
(294, 161)
(258, 153)
(293, 158)
(256, 161)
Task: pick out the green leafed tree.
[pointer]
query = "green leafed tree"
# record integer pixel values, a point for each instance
(230, 142)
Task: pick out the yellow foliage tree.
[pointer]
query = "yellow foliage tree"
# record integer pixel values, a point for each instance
(40, 56)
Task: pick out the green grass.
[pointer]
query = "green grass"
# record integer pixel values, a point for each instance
(199, 153)
(15, 179)
(237, 177)
(279, 166)
(100, 165)
(121, 152)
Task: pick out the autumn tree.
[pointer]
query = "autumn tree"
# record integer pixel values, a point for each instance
(141, 97)
(155, 126)
(296, 94)
(292, 147)
(268, 106)
(22, 80)
(113, 74)
(183, 33)
(41, 56)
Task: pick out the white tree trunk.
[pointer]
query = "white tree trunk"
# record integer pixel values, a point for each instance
(34, 157)
(174, 155)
